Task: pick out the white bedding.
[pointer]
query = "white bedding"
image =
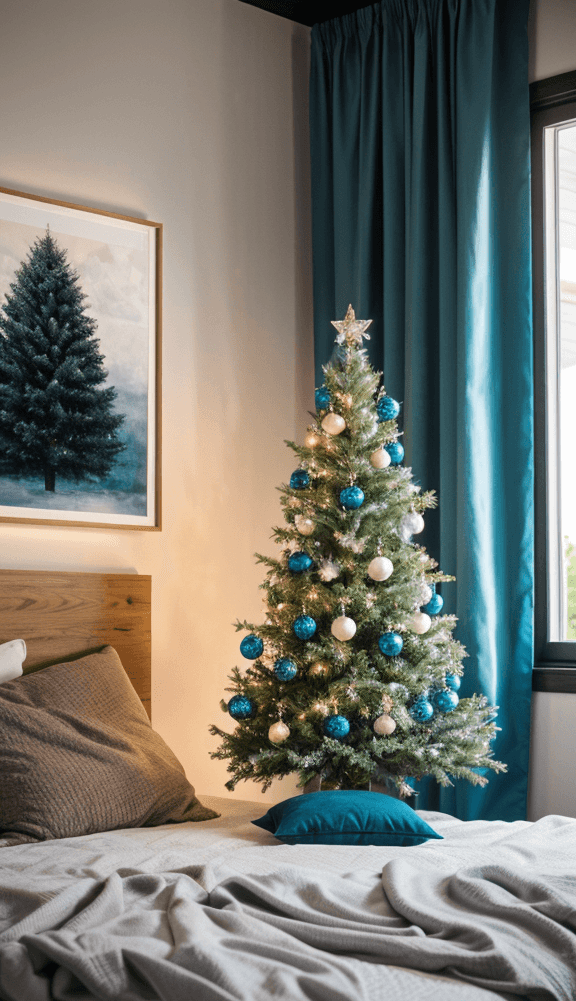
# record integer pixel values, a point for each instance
(233, 844)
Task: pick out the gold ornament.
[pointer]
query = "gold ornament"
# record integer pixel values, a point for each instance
(278, 732)
(333, 423)
(311, 439)
(320, 669)
(384, 725)
(304, 525)
(350, 330)
(380, 459)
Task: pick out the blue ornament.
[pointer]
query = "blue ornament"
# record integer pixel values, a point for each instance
(241, 707)
(304, 627)
(453, 681)
(387, 408)
(322, 398)
(285, 669)
(445, 700)
(434, 606)
(395, 451)
(421, 710)
(337, 727)
(299, 562)
(351, 498)
(390, 644)
(299, 479)
(251, 647)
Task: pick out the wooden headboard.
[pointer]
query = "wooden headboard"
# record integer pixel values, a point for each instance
(63, 615)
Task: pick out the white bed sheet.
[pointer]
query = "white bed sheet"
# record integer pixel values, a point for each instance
(244, 848)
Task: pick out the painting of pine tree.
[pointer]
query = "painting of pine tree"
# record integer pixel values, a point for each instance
(54, 418)
(79, 342)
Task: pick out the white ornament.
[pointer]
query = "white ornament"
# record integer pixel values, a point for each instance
(412, 523)
(380, 568)
(278, 732)
(311, 439)
(420, 623)
(380, 459)
(384, 725)
(343, 628)
(333, 423)
(328, 570)
(304, 525)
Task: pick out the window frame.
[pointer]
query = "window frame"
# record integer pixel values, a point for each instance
(552, 101)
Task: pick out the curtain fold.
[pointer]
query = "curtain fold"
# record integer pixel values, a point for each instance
(419, 117)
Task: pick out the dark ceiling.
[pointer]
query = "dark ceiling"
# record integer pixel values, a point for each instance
(307, 11)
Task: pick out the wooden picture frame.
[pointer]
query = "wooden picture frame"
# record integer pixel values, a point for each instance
(79, 372)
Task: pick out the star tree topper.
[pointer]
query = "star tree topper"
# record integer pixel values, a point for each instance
(350, 330)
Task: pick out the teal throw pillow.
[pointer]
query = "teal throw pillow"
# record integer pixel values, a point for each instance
(345, 817)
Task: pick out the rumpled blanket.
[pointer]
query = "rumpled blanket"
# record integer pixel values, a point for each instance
(206, 934)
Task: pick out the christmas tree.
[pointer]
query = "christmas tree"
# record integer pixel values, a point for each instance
(53, 419)
(353, 676)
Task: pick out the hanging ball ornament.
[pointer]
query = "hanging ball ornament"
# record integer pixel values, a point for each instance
(420, 623)
(278, 732)
(241, 707)
(387, 408)
(333, 423)
(251, 647)
(311, 439)
(285, 669)
(351, 498)
(421, 710)
(380, 459)
(444, 699)
(299, 562)
(304, 525)
(319, 670)
(380, 568)
(453, 681)
(322, 398)
(435, 605)
(384, 725)
(343, 628)
(390, 643)
(304, 627)
(395, 451)
(336, 727)
(411, 524)
(299, 479)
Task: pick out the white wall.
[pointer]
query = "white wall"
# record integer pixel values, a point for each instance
(191, 113)
(552, 778)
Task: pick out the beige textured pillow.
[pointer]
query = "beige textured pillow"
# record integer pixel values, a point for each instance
(78, 755)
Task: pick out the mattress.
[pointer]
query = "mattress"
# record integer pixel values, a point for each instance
(231, 846)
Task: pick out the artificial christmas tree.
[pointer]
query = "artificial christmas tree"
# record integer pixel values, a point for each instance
(354, 674)
(53, 419)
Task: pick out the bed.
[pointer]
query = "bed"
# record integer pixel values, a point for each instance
(220, 909)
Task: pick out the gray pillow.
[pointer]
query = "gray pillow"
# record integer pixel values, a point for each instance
(78, 755)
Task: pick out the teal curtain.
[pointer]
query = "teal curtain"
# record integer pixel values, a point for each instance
(419, 117)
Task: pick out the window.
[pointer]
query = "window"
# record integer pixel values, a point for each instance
(553, 107)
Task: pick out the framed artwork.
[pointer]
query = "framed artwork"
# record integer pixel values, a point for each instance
(80, 301)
